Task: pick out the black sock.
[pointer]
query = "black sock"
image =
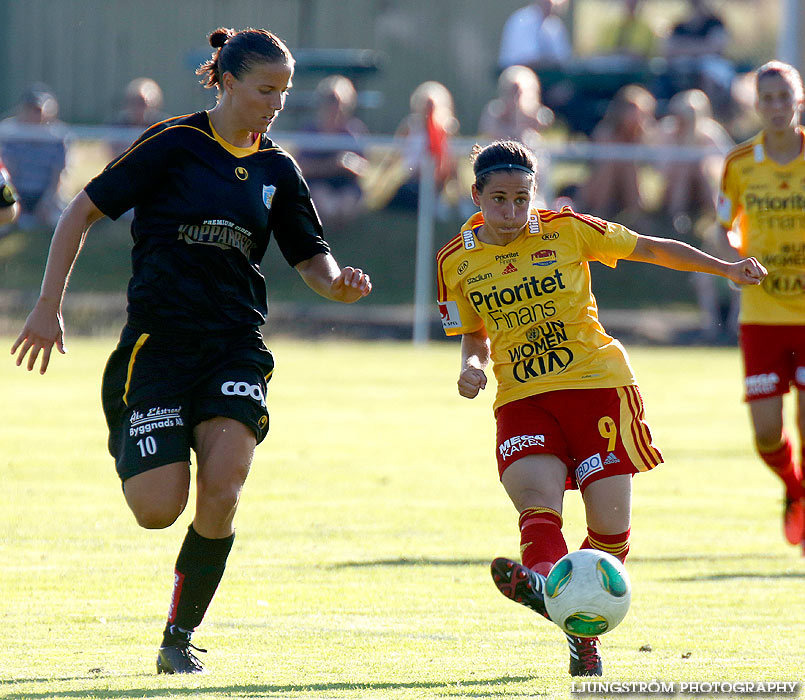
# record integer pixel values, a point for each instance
(199, 568)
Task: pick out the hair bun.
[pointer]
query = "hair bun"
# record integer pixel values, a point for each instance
(220, 36)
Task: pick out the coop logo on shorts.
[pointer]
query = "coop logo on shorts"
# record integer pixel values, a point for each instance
(268, 195)
(591, 465)
(762, 384)
(254, 391)
(448, 312)
(518, 443)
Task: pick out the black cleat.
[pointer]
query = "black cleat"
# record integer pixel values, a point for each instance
(585, 660)
(520, 584)
(177, 658)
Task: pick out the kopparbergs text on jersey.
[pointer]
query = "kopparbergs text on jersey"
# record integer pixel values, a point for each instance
(217, 235)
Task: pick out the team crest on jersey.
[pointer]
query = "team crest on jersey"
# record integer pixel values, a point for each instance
(268, 195)
(543, 257)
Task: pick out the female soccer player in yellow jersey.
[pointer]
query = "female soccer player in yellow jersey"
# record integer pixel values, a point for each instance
(762, 200)
(515, 284)
(209, 190)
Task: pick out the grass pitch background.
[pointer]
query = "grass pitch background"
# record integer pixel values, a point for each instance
(360, 568)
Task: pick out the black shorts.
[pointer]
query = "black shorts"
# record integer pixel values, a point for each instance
(157, 388)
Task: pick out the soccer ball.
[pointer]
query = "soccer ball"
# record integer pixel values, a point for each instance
(587, 593)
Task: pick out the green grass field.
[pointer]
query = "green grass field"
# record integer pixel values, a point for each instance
(372, 511)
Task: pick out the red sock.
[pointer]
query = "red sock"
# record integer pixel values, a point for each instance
(781, 462)
(616, 545)
(541, 541)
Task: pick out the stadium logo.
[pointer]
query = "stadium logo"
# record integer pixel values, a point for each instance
(463, 268)
(543, 257)
(589, 466)
(520, 442)
(478, 278)
(254, 391)
(241, 173)
(268, 195)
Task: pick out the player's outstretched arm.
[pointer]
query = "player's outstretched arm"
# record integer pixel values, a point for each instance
(475, 354)
(44, 326)
(322, 274)
(677, 255)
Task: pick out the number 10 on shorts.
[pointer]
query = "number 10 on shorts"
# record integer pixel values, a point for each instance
(148, 446)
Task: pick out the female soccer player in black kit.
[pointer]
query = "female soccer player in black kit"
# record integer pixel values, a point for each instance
(190, 371)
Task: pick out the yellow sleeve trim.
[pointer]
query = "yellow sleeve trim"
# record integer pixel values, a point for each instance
(140, 342)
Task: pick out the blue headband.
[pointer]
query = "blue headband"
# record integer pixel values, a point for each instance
(504, 166)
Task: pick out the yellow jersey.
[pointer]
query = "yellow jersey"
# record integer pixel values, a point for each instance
(764, 203)
(534, 298)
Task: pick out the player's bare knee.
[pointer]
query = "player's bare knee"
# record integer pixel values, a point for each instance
(219, 497)
(157, 516)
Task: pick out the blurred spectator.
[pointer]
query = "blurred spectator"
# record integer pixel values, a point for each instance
(142, 104)
(9, 206)
(535, 36)
(333, 175)
(630, 35)
(691, 186)
(689, 200)
(613, 187)
(517, 113)
(34, 148)
(695, 50)
(425, 132)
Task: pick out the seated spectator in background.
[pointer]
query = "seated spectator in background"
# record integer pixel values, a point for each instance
(9, 206)
(425, 132)
(696, 53)
(141, 108)
(34, 146)
(631, 35)
(535, 36)
(613, 188)
(691, 187)
(333, 175)
(142, 104)
(517, 113)
(689, 201)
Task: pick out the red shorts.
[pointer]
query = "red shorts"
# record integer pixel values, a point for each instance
(595, 432)
(774, 359)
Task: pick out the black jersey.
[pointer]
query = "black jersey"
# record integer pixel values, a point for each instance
(204, 212)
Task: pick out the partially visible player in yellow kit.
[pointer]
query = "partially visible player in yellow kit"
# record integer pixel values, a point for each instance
(515, 284)
(761, 209)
